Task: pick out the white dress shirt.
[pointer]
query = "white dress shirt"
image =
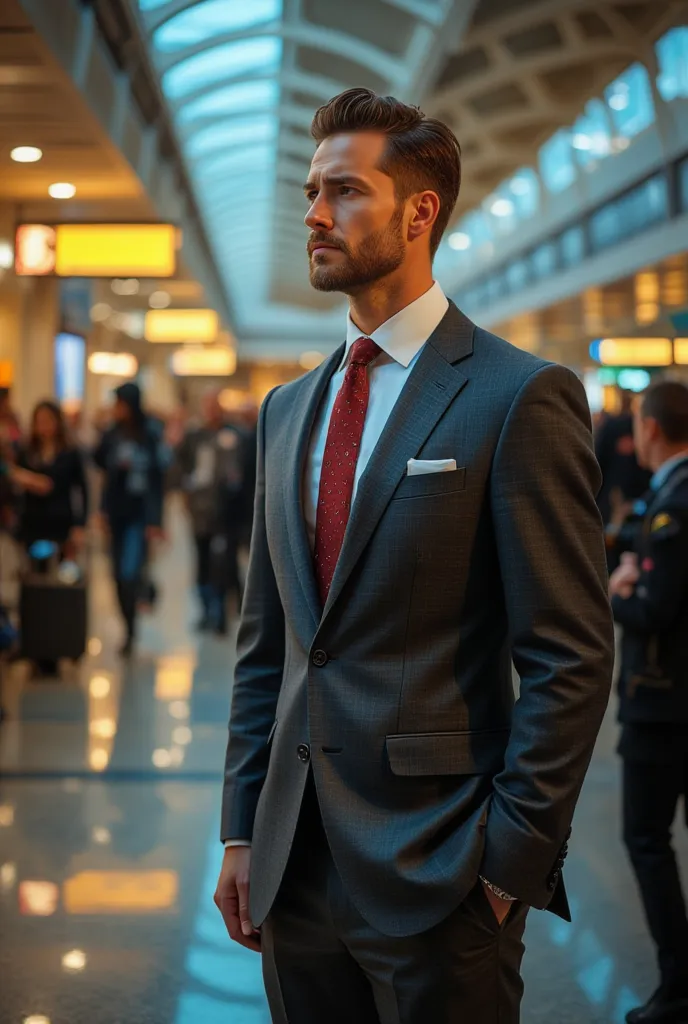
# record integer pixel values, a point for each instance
(401, 339)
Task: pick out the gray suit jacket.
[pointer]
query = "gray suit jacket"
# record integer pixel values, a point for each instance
(398, 695)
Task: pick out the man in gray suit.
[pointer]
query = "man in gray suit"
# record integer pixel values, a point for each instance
(425, 513)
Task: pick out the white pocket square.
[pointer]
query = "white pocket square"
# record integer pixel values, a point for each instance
(422, 467)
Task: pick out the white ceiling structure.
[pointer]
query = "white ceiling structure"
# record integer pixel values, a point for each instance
(243, 77)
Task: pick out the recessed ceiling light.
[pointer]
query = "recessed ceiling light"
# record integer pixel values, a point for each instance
(26, 154)
(62, 190)
(459, 241)
(6, 255)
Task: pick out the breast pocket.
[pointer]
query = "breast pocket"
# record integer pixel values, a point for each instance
(430, 484)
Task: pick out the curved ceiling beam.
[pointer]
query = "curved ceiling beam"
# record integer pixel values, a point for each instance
(321, 88)
(303, 34)
(285, 113)
(155, 19)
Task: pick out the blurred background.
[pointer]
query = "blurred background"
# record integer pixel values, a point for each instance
(152, 156)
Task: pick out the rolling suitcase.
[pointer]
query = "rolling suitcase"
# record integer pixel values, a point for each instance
(53, 611)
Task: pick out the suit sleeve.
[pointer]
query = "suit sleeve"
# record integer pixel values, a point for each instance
(551, 553)
(258, 674)
(660, 593)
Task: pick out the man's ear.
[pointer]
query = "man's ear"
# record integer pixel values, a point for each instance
(425, 210)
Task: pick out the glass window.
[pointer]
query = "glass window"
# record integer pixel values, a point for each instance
(237, 132)
(232, 99)
(524, 191)
(222, 63)
(205, 21)
(591, 136)
(152, 5)
(544, 260)
(517, 275)
(683, 184)
(639, 209)
(556, 162)
(672, 53)
(572, 246)
(249, 160)
(629, 99)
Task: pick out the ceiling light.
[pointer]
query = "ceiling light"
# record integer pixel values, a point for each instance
(125, 286)
(36, 1018)
(520, 186)
(619, 101)
(8, 876)
(581, 141)
(101, 836)
(460, 241)
(6, 815)
(159, 300)
(6, 256)
(179, 709)
(74, 961)
(62, 190)
(502, 208)
(105, 728)
(26, 154)
(113, 364)
(99, 759)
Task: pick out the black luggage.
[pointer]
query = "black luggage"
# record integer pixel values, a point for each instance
(53, 614)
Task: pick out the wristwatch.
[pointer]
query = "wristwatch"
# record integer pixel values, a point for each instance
(498, 892)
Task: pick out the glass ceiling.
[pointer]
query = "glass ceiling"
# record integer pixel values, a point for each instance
(224, 94)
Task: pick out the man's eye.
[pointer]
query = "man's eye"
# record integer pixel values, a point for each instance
(345, 190)
(311, 197)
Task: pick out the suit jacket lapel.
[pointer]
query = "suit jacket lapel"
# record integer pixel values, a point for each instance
(432, 387)
(300, 431)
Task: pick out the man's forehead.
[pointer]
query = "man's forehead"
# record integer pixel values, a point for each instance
(354, 152)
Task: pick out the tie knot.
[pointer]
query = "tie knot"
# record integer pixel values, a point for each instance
(364, 351)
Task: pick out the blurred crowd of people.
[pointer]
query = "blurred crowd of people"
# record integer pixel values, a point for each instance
(61, 477)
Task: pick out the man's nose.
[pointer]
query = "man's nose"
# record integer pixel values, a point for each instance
(319, 216)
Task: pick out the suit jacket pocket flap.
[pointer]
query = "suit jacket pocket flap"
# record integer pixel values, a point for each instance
(448, 753)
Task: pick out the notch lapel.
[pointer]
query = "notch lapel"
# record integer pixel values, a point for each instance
(432, 387)
(303, 419)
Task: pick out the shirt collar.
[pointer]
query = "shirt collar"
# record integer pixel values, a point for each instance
(665, 470)
(404, 334)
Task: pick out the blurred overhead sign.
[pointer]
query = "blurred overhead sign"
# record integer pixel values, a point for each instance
(175, 325)
(217, 361)
(120, 892)
(96, 250)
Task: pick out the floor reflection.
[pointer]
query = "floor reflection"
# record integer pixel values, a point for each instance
(109, 800)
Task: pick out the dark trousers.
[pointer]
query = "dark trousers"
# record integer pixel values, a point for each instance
(323, 962)
(651, 792)
(217, 573)
(129, 555)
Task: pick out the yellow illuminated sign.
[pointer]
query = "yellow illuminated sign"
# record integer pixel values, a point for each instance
(204, 362)
(120, 892)
(681, 351)
(96, 250)
(175, 325)
(636, 352)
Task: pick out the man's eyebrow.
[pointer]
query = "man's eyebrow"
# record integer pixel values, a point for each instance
(337, 179)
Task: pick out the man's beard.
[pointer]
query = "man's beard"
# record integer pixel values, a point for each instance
(380, 254)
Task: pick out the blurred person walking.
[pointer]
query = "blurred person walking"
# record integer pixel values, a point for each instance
(650, 600)
(210, 465)
(389, 813)
(57, 512)
(133, 460)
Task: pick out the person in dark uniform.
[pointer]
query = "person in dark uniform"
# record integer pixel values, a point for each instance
(131, 456)
(650, 601)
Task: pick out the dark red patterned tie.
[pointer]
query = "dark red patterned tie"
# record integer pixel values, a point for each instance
(339, 462)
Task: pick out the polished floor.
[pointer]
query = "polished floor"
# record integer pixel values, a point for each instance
(109, 801)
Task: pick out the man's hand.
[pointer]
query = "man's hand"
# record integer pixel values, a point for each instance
(231, 897)
(500, 907)
(623, 580)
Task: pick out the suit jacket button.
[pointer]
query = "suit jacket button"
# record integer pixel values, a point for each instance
(320, 659)
(303, 752)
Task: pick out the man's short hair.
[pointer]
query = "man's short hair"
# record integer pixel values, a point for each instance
(666, 401)
(422, 152)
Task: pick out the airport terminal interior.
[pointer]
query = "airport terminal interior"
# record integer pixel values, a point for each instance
(152, 161)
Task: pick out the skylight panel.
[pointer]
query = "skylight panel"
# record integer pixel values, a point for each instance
(260, 56)
(231, 99)
(238, 132)
(206, 21)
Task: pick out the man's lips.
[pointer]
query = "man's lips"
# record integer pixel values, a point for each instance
(320, 247)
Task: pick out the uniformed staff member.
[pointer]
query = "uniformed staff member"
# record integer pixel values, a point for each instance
(650, 601)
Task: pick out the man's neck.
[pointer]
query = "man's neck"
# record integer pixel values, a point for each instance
(668, 455)
(372, 308)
